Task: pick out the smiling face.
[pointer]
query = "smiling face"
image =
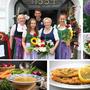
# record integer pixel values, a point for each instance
(47, 22)
(33, 24)
(21, 19)
(37, 14)
(62, 18)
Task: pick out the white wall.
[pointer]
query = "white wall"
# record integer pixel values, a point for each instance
(11, 5)
(3, 16)
(6, 14)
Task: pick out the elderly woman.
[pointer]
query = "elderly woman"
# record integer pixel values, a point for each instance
(49, 33)
(16, 37)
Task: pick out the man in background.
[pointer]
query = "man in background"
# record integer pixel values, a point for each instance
(38, 15)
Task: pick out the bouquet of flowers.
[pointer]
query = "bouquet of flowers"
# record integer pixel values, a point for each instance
(68, 34)
(42, 47)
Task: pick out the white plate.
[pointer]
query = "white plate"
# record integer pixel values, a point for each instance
(12, 77)
(86, 37)
(86, 51)
(68, 64)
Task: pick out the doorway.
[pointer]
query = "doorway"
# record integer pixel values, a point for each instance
(52, 11)
(46, 13)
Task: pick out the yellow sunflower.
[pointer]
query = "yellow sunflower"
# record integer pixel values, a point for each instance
(71, 31)
(34, 41)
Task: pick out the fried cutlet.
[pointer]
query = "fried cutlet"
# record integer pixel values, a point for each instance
(65, 72)
(70, 80)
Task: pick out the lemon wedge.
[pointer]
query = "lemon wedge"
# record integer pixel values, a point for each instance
(84, 74)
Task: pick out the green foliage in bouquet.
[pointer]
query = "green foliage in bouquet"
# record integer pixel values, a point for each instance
(42, 47)
(46, 48)
(66, 35)
(32, 40)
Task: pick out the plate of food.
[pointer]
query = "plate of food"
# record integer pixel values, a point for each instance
(87, 47)
(87, 43)
(24, 79)
(70, 75)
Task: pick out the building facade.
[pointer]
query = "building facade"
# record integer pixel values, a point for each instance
(8, 9)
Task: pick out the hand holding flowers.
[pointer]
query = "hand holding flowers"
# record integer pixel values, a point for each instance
(27, 51)
(42, 47)
(52, 50)
(67, 35)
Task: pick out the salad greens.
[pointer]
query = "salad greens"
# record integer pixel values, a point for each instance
(87, 46)
(29, 71)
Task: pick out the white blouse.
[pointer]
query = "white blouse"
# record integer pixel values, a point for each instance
(24, 34)
(63, 27)
(19, 29)
(55, 32)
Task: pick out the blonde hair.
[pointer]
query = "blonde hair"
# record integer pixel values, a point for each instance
(47, 18)
(19, 16)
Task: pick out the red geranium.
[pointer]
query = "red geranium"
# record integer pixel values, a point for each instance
(43, 45)
(88, 41)
(37, 45)
(35, 35)
(78, 30)
(68, 25)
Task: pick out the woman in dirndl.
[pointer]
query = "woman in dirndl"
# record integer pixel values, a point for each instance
(49, 33)
(27, 36)
(16, 37)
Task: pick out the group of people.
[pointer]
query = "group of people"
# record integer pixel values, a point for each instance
(21, 34)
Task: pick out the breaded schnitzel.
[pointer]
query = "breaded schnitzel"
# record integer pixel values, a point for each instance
(65, 72)
(71, 80)
(66, 76)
